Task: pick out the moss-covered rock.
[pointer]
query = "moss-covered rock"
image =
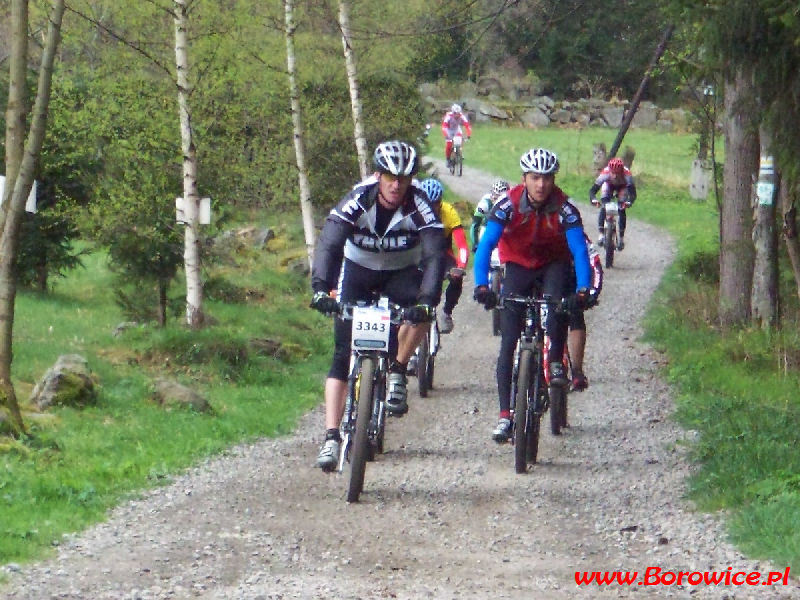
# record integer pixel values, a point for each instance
(70, 382)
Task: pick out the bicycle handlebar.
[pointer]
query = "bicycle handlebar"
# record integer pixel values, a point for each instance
(560, 305)
(345, 312)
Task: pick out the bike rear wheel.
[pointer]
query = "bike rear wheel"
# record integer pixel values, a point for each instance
(610, 244)
(496, 284)
(558, 408)
(526, 422)
(423, 364)
(361, 445)
(431, 368)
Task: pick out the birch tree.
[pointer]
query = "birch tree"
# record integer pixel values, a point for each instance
(191, 199)
(355, 98)
(21, 158)
(299, 140)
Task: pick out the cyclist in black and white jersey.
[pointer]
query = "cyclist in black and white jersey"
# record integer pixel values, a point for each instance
(384, 237)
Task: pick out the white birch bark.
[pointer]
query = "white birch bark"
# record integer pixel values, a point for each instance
(355, 98)
(306, 209)
(191, 200)
(21, 160)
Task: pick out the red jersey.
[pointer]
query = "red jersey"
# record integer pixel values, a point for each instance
(533, 237)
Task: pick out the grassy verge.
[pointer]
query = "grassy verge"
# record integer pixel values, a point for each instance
(738, 389)
(79, 463)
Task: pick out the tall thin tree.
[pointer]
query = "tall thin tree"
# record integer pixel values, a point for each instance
(764, 295)
(306, 209)
(191, 199)
(21, 160)
(736, 218)
(352, 80)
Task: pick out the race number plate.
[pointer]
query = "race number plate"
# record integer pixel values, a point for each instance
(458, 139)
(612, 209)
(371, 327)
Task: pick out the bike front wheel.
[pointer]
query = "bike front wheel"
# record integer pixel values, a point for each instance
(361, 445)
(459, 163)
(423, 365)
(558, 408)
(526, 420)
(610, 244)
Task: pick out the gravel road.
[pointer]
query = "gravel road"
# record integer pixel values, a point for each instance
(443, 515)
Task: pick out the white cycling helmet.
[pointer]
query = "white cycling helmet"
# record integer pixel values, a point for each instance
(500, 186)
(396, 157)
(540, 161)
(456, 108)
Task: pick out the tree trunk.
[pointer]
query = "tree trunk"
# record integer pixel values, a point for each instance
(306, 210)
(355, 99)
(637, 97)
(17, 106)
(764, 295)
(20, 167)
(736, 218)
(191, 199)
(163, 286)
(788, 193)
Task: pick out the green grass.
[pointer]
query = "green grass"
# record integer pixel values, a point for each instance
(79, 463)
(738, 389)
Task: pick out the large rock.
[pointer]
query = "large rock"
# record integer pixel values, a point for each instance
(646, 115)
(561, 116)
(535, 117)
(490, 110)
(170, 393)
(613, 115)
(70, 382)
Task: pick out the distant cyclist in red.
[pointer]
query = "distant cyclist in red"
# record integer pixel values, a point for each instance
(616, 178)
(452, 123)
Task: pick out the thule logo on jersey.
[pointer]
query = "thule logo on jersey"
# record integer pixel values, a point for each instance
(350, 208)
(425, 210)
(396, 242)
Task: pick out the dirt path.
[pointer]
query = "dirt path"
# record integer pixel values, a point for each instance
(443, 514)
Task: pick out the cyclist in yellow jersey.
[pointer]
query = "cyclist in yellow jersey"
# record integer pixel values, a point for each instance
(455, 263)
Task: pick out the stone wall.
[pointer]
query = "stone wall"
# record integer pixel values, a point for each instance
(517, 101)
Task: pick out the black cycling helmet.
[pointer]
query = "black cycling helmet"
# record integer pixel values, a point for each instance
(396, 157)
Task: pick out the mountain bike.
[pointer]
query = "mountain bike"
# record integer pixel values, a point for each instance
(425, 358)
(364, 420)
(611, 239)
(456, 164)
(530, 388)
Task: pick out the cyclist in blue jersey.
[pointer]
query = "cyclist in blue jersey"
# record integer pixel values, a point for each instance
(539, 234)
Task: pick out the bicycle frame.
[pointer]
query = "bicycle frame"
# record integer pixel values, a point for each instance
(532, 338)
(380, 356)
